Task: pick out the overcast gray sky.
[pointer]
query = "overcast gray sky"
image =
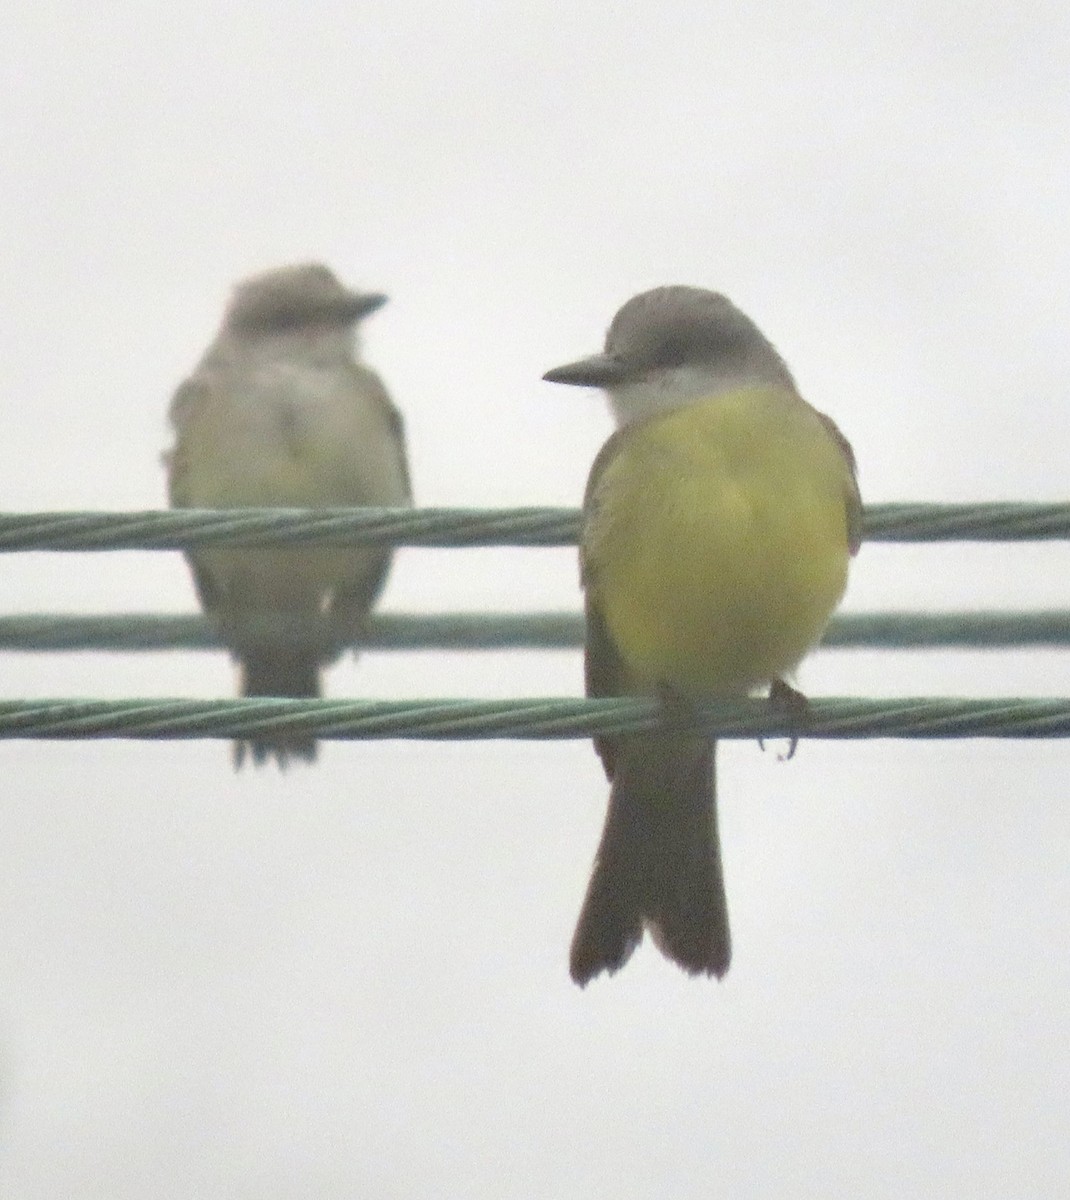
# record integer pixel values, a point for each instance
(351, 980)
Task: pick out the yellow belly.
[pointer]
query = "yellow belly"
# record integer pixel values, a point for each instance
(716, 545)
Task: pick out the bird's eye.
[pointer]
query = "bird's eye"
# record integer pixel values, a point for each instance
(675, 349)
(679, 347)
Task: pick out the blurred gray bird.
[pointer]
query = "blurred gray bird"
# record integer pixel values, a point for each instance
(281, 412)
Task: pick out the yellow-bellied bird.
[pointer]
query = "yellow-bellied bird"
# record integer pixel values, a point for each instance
(718, 524)
(281, 412)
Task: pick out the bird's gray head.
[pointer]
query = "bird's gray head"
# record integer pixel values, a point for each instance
(674, 345)
(292, 298)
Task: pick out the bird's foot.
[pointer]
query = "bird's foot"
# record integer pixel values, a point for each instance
(786, 701)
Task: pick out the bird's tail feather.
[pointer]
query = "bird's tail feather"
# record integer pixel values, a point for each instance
(659, 862)
(285, 671)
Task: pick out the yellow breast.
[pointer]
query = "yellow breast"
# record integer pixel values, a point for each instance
(716, 542)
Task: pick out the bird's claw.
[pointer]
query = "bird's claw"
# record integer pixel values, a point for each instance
(794, 706)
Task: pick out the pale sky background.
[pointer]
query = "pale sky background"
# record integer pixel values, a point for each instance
(352, 980)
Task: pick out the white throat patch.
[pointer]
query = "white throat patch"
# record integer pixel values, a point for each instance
(668, 388)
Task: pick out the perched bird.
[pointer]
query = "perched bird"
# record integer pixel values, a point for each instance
(718, 524)
(281, 412)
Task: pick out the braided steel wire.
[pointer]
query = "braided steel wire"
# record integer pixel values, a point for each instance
(178, 529)
(534, 719)
(144, 632)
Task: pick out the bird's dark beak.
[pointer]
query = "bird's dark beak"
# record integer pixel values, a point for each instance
(363, 304)
(600, 370)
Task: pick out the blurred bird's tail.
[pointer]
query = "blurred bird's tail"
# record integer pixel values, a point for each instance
(283, 671)
(659, 862)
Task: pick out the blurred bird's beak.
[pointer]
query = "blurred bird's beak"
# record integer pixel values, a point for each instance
(363, 304)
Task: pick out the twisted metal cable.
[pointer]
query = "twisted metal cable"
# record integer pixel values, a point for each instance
(179, 529)
(534, 719)
(990, 522)
(130, 632)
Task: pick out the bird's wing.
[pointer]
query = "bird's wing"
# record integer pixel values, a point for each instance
(185, 411)
(605, 673)
(186, 408)
(368, 390)
(852, 496)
